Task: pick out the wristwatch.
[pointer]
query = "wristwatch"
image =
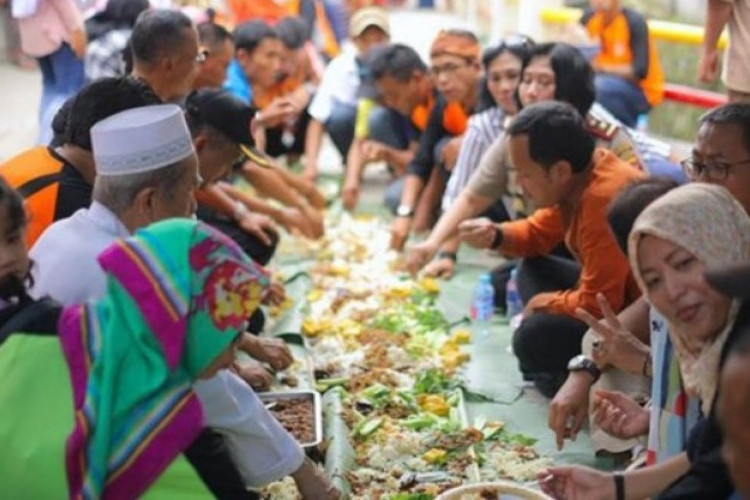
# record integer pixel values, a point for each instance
(581, 363)
(443, 254)
(404, 211)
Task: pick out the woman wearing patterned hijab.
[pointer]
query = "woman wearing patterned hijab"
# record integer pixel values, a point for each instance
(688, 230)
(671, 245)
(178, 295)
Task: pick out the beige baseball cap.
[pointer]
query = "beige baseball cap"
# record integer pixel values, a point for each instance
(366, 17)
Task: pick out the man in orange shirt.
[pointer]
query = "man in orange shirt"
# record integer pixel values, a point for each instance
(629, 80)
(561, 171)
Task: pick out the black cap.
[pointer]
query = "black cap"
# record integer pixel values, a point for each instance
(733, 281)
(230, 116)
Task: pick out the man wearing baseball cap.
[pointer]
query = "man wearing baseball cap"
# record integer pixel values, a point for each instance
(334, 107)
(220, 124)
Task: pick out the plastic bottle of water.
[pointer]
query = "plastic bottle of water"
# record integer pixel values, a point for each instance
(483, 306)
(513, 304)
(642, 123)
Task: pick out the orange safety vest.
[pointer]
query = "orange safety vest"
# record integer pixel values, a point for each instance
(615, 49)
(455, 119)
(421, 114)
(35, 174)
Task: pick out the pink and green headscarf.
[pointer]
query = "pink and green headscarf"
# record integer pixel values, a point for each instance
(178, 294)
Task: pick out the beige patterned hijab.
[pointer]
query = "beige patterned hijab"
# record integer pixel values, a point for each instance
(708, 222)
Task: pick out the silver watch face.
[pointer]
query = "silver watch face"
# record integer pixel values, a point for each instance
(577, 362)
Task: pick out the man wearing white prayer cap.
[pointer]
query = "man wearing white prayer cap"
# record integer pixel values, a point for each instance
(147, 171)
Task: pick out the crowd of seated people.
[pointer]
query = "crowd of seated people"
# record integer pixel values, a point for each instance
(632, 268)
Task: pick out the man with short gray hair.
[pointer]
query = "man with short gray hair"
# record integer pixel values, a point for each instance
(165, 51)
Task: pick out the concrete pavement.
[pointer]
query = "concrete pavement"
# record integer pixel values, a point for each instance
(20, 91)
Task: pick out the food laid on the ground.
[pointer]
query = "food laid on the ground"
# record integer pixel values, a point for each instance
(298, 412)
(500, 490)
(378, 339)
(297, 417)
(286, 489)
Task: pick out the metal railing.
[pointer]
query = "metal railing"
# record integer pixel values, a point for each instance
(660, 30)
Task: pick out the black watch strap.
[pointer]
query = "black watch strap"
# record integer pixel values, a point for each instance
(619, 486)
(588, 366)
(447, 255)
(498, 239)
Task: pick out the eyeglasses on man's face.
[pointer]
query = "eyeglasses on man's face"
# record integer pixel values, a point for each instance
(709, 170)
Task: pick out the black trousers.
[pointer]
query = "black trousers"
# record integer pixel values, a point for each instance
(539, 279)
(545, 342)
(253, 247)
(210, 458)
(275, 146)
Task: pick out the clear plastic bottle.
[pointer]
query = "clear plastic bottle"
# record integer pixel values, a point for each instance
(642, 123)
(513, 303)
(483, 306)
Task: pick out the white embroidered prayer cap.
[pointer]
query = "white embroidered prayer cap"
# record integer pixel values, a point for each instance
(141, 139)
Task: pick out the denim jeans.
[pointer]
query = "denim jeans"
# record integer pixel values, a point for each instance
(340, 127)
(389, 127)
(622, 98)
(62, 77)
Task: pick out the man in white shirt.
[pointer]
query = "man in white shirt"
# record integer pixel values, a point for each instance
(147, 171)
(334, 107)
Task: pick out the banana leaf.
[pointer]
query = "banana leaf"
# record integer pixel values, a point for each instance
(340, 453)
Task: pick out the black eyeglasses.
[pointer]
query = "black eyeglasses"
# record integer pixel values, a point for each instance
(716, 171)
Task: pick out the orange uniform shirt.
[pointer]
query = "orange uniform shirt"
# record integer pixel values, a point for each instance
(267, 10)
(626, 40)
(585, 231)
(34, 174)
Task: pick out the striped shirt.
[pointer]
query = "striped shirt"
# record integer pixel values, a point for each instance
(482, 130)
